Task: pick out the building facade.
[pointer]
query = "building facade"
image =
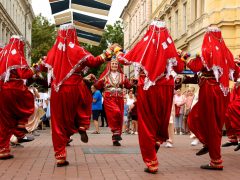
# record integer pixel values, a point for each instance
(136, 17)
(187, 21)
(16, 17)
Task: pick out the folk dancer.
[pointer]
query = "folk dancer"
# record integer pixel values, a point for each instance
(154, 57)
(207, 116)
(232, 120)
(70, 98)
(17, 102)
(113, 81)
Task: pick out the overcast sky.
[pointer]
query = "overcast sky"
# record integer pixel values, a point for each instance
(43, 7)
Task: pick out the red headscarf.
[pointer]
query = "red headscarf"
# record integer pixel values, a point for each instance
(217, 57)
(12, 57)
(65, 56)
(155, 53)
(107, 70)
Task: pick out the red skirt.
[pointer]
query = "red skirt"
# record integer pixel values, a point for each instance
(114, 107)
(154, 109)
(207, 117)
(16, 106)
(233, 116)
(71, 108)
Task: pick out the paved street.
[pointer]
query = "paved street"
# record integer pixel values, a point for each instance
(100, 160)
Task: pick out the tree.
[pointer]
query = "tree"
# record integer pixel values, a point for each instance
(112, 34)
(43, 37)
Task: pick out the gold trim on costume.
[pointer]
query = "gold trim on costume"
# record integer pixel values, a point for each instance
(152, 163)
(60, 161)
(4, 154)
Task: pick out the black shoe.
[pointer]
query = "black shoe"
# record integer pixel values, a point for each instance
(17, 145)
(7, 157)
(116, 137)
(202, 151)
(26, 139)
(227, 144)
(84, 136)
(23, 130)
(237, 148)
(65, 163)
(69, 141)
(207, 166)
(116, 143)
(147, 170)
(95, 132)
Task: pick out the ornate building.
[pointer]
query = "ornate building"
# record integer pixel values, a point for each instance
(188, 19)
(16, 17)
(136, 17)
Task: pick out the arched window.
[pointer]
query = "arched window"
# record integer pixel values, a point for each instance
(176, 24)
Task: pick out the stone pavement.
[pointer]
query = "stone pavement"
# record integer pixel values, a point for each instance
(100, 160)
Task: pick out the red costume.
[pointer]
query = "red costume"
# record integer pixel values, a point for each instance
(70, 98)
(206, 118)
(233, 111)
(233, 115)
(17, 102)
(155, 56)
(113, 99)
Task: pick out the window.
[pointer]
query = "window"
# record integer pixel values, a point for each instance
(176, 23)
(185, 17)
(194, 9)
(130, 30)
(202, 6)
(169, 24)
(144, 10)
(13, 15)
(136, 22)
(139, 17)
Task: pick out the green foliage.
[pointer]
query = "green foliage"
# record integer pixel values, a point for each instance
(112, 34)
(43, 37)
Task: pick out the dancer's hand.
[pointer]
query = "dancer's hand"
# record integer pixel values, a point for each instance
(116, 48)
(133, 81)
(90, 77)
